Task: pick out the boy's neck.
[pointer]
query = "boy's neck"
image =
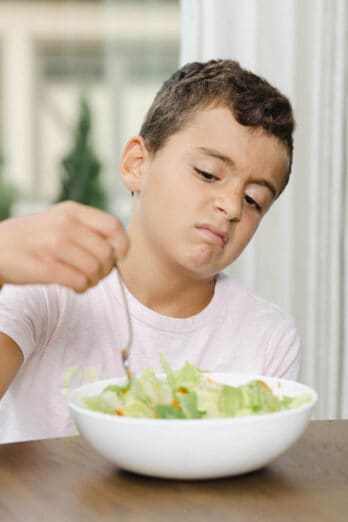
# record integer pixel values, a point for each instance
(165, 291)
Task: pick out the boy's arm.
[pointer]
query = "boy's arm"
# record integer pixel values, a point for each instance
(11, 360)
(28, 316)
(284, 351)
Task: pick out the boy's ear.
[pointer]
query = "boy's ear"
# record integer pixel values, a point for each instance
(133, 163)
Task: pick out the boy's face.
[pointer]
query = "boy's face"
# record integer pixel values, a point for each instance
(199, 199)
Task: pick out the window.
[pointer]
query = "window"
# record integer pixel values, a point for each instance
(115, 53)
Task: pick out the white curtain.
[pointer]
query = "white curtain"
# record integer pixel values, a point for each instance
(299, 256)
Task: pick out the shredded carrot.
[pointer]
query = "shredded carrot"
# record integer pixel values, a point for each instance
(175, 404)
(119, 412)
(279, 384)
(265, 385)
(210, 380)
(123, 352)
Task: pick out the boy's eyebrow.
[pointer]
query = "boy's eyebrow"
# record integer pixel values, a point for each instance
(216, 154)
(267, 184)
(229, 162)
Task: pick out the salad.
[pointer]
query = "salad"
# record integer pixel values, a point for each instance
(188, 393)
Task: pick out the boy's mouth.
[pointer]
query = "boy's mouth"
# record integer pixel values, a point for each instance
(215, 235)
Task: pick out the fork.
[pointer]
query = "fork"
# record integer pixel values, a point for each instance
(126, 351)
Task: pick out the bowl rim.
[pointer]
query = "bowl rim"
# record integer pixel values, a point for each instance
(74, 407)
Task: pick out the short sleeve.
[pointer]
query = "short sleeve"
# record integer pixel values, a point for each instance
(283, 354)
(24, 315)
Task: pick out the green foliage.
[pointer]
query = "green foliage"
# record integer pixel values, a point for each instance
(7, 195)
(80, 180)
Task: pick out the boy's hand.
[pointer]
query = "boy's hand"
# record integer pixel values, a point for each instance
(69, 244)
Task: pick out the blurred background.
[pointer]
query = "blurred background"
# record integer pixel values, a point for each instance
(76, 78)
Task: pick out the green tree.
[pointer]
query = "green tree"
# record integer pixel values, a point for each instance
(80, 179)
(7, 194)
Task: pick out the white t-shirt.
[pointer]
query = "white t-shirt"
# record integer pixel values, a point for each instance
(68, 339)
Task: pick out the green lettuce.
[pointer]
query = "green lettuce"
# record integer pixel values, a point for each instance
(188, 393)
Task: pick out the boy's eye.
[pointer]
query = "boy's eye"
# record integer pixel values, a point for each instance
(206, 176)
(252, 203)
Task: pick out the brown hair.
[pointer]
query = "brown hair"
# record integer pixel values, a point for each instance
(198, 85)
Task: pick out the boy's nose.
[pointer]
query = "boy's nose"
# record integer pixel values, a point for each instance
(231, 207)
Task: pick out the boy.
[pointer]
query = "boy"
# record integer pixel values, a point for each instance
(214, 152)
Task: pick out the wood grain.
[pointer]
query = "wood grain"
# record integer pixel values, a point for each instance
(65, 480)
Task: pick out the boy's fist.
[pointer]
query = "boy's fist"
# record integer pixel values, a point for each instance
(69, 244)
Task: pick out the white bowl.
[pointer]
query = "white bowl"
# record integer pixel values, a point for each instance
(194, 448)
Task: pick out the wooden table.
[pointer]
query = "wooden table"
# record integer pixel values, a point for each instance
(64, 480)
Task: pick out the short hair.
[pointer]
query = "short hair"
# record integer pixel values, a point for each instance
(252, 100)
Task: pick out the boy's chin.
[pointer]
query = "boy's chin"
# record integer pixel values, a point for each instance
(204, 261)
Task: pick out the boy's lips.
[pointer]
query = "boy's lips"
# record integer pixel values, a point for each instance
(217, 236)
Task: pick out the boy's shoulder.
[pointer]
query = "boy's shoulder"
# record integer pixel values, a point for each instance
(236, 295)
